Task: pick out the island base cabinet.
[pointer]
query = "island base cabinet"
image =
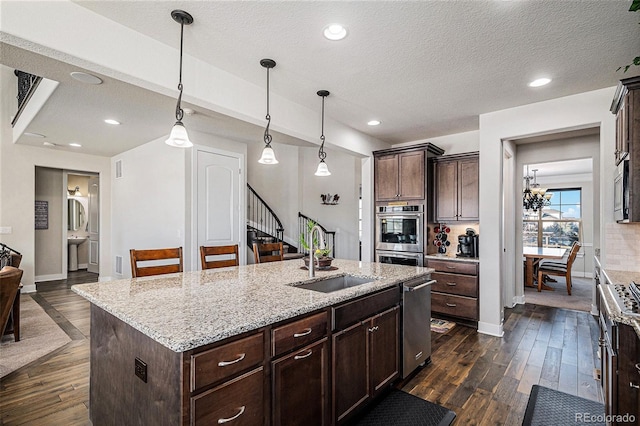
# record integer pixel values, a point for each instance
(365, 360)
(119, 397)
(239, 402)
(301, 387)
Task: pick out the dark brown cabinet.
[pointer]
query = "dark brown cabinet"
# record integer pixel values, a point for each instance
(620, 369)
(455, 292)
(365, 360)
(456, 188)
(400, 176)
(399, 173)
(300, 380)
(301, 386)
(626, 107)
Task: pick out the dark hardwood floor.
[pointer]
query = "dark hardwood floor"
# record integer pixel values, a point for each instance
(486, 380)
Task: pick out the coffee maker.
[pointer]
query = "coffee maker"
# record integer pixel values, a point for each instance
(468, 244)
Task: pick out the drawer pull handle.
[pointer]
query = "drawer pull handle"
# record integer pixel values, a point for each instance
(451, 305)
(306, 332)
(638, 367)
(230, 419)
(303, 356)
(634, 386)
(451, 267)
(225, 363)
(451, 284)
(372, 329)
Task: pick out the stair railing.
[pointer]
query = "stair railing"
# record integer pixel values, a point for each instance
(261, 217)
(329, 236)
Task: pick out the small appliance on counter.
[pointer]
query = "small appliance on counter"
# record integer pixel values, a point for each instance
(468, 244)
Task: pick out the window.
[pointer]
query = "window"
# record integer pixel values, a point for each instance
(556, 225)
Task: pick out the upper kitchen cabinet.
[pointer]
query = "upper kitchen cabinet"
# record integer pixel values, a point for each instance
(400, 173)
(456, 189)
(626, 107)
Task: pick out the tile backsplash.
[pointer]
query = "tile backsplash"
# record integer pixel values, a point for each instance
(622, 242)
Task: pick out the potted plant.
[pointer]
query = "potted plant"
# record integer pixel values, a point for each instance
(322, 255)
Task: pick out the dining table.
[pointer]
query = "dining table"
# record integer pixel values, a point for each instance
(533, 255)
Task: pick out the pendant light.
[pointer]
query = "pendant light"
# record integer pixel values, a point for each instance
(179, 137)
(322, 169)
(268, 156)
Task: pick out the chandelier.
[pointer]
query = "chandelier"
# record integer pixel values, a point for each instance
(533, 197)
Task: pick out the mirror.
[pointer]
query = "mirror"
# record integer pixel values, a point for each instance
(75, 215)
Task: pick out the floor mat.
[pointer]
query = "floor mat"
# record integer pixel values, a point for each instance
(441, 326)
(551, 407)
(399, 408)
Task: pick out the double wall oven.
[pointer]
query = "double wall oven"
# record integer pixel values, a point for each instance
(400, 235)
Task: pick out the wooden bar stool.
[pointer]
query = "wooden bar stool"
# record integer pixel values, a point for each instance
(218, 251)
(263, 253)
(154, 255)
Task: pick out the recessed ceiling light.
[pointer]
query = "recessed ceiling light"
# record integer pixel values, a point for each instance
(49, 144)
(335, 32)
(75, 145)
(110, 121)
(373, 122)
(540, 82)
(86, 78)
(34, 135)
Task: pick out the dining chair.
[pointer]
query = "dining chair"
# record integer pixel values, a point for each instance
(263, 253)
(206, 251)
(9, 289)
(152, 256)
(550, 262)
(559, 269)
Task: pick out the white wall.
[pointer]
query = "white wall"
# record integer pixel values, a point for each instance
(457, 143)
(344, 181)
(584, 110)
(17, 186)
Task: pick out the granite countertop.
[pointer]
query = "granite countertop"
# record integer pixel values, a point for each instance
(187, 310)
(453, 258)
(619, 277)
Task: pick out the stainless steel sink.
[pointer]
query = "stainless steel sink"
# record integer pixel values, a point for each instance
(329, 285)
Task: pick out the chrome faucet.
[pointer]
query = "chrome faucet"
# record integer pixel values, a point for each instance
(312, 257)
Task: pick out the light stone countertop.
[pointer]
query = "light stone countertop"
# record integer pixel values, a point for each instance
(624, 278)
(452, 258)
(191, 309)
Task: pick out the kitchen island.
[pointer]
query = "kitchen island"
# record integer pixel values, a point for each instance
(181, 348)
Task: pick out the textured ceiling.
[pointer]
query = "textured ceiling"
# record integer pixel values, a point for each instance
(424, 68)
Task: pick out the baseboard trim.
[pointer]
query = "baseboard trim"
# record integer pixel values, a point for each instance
(518, 300)
(50, 277)
(594, 310)
(101, 278)
(83, 265)
(29, 288)
(490, 329)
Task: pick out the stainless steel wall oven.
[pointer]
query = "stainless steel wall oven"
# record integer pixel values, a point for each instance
(400, 228)
(400, 258)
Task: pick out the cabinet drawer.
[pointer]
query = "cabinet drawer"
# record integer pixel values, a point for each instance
(463, 285)
(239, 402)
(457, 306)
(298, 333)
(224, 361)
(453, 267)
(351, 312)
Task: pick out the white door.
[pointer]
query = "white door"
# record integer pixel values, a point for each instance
(218, 193)
(94, 225)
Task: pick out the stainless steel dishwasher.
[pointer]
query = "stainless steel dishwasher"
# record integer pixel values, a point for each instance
(416, 323)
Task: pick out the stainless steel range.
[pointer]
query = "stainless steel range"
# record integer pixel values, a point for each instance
(627, 297)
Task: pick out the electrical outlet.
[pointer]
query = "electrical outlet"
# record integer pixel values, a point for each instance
(141, 369)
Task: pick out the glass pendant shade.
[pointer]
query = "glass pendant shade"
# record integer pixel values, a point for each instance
(323, 169)
(179, 137)
(268, 156)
